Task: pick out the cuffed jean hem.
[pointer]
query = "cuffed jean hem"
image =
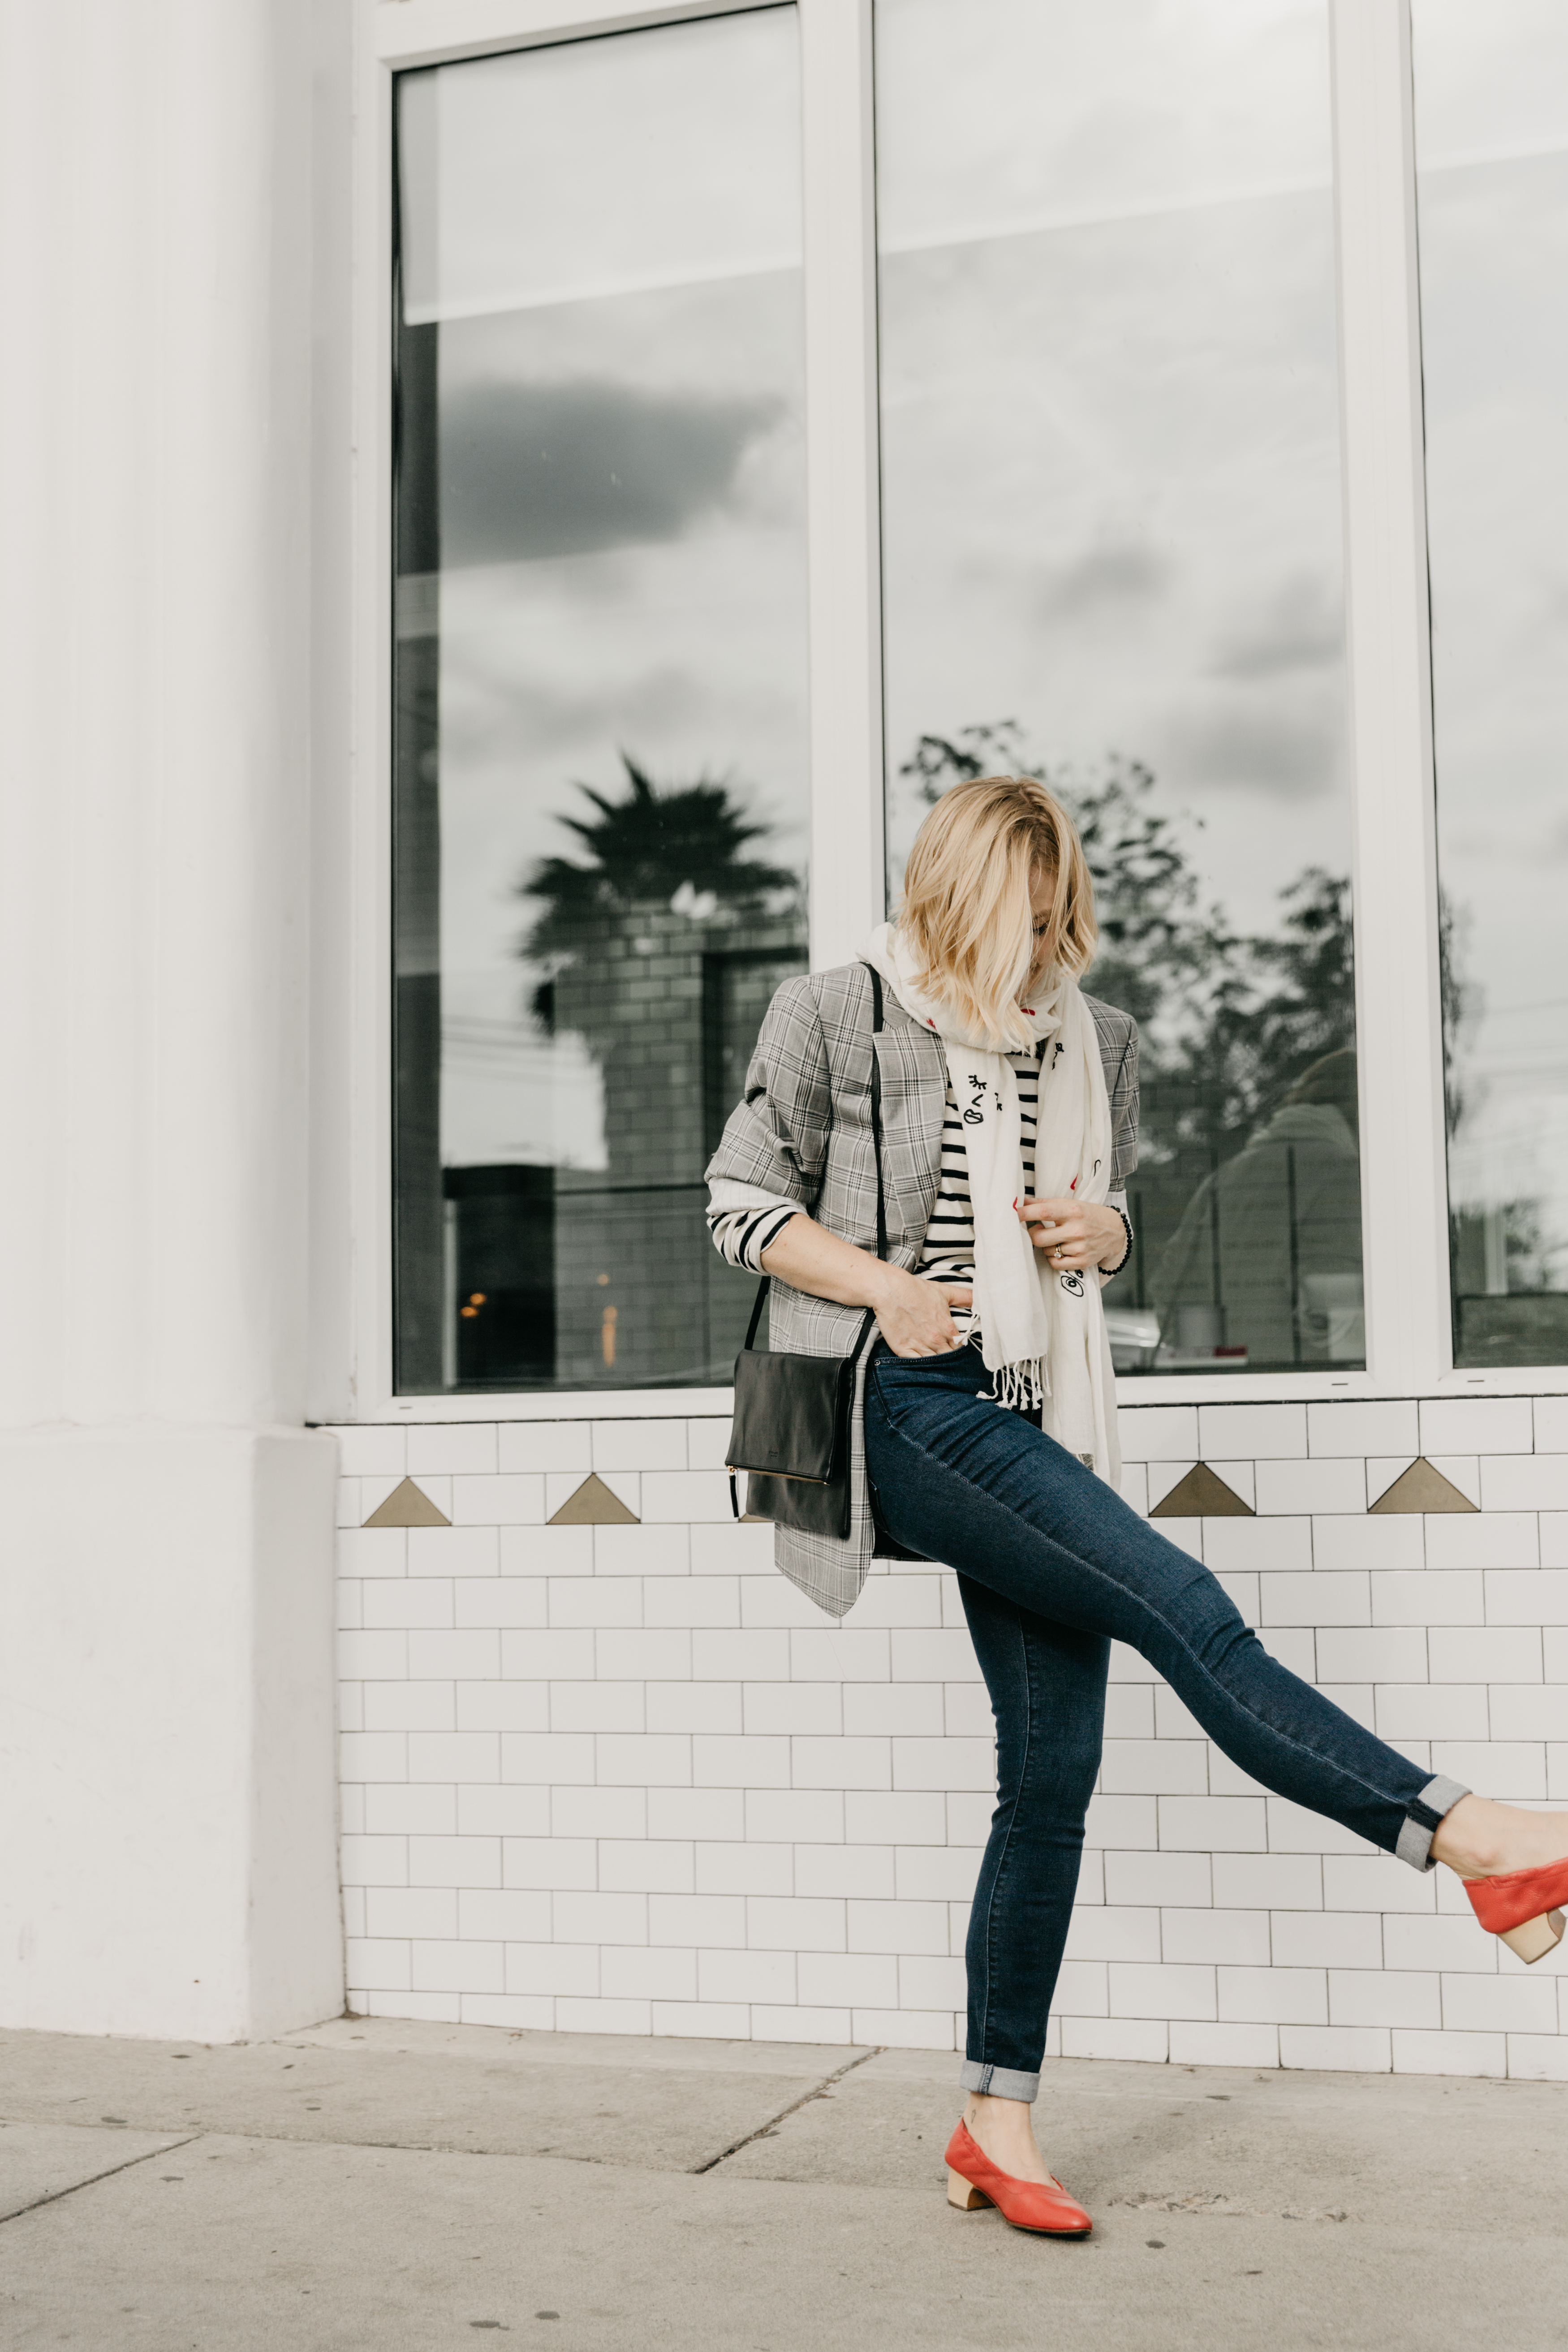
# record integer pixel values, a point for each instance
(997, 2082)
(1438, 1797)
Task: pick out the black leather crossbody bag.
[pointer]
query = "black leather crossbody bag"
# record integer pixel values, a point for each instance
(791, 1432)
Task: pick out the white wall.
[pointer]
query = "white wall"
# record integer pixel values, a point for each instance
(166, 1821)
(628, 1779)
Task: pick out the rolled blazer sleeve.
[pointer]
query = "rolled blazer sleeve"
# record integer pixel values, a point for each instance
(775, 1140)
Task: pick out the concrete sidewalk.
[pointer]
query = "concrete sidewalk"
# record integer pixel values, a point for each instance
(383, 2186)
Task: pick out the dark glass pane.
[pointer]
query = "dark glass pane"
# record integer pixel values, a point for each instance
(600, 779)
(1112, 532)
(1491, 123)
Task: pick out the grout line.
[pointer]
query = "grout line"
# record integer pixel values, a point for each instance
(130, 2164)
(805, 2098)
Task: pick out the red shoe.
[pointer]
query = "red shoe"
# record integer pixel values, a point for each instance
(973, 2181)
(1521, 1905)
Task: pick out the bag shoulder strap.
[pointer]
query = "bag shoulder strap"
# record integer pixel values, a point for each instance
(876, 979)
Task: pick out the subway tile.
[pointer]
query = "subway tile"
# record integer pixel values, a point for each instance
(1172, 1720)
(547, 1756)
(1524, 1482)
(823, 1763)
(412, 1911)
(932, 1764)
(1126, 1823)
(774, 2023)
(864, 1979)
(513, 1501)
(708, 1601)
(663, 1552)
(711, 1707)
(747, 1975)
(1476, 1426)
(454, 1862)
(1154, 1766)
(552, 1968)
(1130, 1711)
(1318, 1598)
(923, 1655)
(1368, 1882)
(500, 1600)
(719, 1762)
(440, 1448)
(741, 1869)
(1194, 2043)
(1158, 1879)
(908, 1597)
(1497, 2004)
(813, 1707)
(411, 1706)
(1159, 1432)
(532, 1447)
(372, 1755)
(1348, 1543)
(1431, 1711)
(375, 1450)
(548, 1653)
(685, 1495)
(804, 1816)
(1514, 1596)
(494, 1810)
(1223, 1824)
(840, 1870)
(378, 1552)
(351, 1511)
(716, 1920)
(969, 1811)
(350, 1605)
(453, 1551)
(402, 1808)
(1363, 1428)
(696, 1813)
(1336, 2049)
(707, 1444)
(373, 1657)
(1270, 1433)
(1099, 1932)
(593, 1916)
(1453, 1596)
(1240, 1590)
(645, 1972)
(1492, 1653)
(374, 1861)
(1486, 1539)
(1234, 1938)
(648, 1866)
(896, 1710)
(1273, 1996)
(1380, 1653)
(903, 1817)
(1450, 2053)
(1083, 1988)
(1144, 2039)
(1293, 1830)
(723, 1656)
(545, 1551)
(703, 2020)
(1129, 1665)
(926, 1874)
(637, 1653)
(380, 1964)
(917, 1927)
(499, 1914)
(585, 2016)
(596, 1601)
(1530, 1711)
(796, 1923)
(1162, 1990)
(1268, 1882)
(471, 1655)
(1512, 1771)
(1538, 2058)
(640, 1445)
(1328, 1484)
(1235, 1547)
(927, 1982)
(1429, 1942)
(1329, 1939)
(726, 1549)
(840, 1656)
(772, 1600)
(643, 1761)
(594, 1706)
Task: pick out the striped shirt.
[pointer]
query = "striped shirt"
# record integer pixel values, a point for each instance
(947, 1254)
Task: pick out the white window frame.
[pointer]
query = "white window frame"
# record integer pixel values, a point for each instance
(1404, 1159)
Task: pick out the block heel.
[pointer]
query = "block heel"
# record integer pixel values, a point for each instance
(962, 2194)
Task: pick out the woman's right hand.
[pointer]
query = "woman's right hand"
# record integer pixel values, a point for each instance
(915, 1317)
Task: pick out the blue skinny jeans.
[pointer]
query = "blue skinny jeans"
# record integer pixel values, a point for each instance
(1052, 1567)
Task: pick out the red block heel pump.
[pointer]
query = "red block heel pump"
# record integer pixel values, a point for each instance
(973, 2181)
(1522, 1906)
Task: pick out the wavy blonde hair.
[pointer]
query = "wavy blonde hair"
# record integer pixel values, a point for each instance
(966, 912)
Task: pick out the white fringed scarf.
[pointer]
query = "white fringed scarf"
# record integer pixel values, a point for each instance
(1043, 1330)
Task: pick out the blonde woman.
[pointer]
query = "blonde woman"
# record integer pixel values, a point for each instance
(985, 1427)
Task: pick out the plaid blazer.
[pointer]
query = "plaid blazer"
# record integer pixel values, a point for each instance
(803, 1131)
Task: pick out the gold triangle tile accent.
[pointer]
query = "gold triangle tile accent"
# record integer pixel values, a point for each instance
(755, 1520)
(407, 1506)
(1202, 1495)
(1420, 1489)
(594, 1506)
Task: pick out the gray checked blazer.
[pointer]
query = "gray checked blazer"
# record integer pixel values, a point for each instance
(803, 1131)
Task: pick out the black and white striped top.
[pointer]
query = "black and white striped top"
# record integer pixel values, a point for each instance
(947, 1254)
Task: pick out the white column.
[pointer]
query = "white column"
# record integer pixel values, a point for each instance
(168, 1842)
(844, 560)
(1399, 1033)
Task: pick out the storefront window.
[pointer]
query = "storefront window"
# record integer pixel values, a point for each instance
(1491, 123)
(1113, 558)
(600, 689)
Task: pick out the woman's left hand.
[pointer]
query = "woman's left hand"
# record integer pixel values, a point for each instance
(1075, 1233)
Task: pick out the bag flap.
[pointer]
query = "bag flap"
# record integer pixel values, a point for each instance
(788, 1410)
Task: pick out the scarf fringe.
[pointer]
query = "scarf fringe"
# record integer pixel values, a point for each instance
(1022, 1387)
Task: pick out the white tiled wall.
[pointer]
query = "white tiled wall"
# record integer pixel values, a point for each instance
(626, 1778)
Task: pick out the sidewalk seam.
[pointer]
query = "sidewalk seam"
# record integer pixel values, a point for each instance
(819, 2091)
(130, 2164)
